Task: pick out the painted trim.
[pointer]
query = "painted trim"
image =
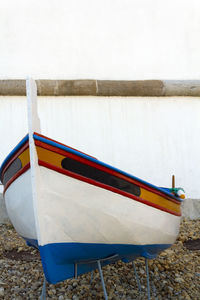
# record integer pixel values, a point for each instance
(102, 168)
(43, 136)
(65, 151)
(58, 168)
(106, 187)
(48, 157)
(145, 184)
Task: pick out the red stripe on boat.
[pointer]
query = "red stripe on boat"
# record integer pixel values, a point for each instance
(43, 136)
(102, 168)
(96, 183)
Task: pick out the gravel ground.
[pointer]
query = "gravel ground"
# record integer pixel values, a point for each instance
(175, 274)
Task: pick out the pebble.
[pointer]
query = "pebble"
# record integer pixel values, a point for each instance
(1, 291)
(75, 284)
(179, 280)
(174, 274)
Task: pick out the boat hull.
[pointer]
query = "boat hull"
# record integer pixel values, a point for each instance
(80, 222)
(76, 209)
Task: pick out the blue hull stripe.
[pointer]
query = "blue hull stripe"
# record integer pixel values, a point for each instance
(59, 259)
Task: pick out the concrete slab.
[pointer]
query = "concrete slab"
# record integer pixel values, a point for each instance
(191, 209)
(3, 213)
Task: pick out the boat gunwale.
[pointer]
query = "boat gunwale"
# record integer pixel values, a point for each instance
(99, 167)
(54, 143)
(15, 152)
(107, 187)
(90, 181)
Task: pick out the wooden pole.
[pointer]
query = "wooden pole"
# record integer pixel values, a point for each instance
(173, 181)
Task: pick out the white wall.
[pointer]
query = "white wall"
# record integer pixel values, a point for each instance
(151, 138)
(108, 39)
(100, 39)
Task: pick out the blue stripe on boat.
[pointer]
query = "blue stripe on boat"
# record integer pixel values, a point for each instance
(76, 152)
(59, 259)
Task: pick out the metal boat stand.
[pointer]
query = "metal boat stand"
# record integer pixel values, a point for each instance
(137, 278)
(43, 295)
(148, 284)
(148, 281)
(98, 262)
(91, 278)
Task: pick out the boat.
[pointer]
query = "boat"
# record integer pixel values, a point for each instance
(77, 210)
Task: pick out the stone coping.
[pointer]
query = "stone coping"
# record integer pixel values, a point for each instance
(143, 88)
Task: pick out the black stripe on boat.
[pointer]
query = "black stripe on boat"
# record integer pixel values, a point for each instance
(100, 176)
(15, 166)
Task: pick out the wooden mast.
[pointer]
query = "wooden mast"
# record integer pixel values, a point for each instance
(173, 181)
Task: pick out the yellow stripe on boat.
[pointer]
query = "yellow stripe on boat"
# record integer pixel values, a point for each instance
(56, 159)
(24, 157)
(159, 200)
(50, 156)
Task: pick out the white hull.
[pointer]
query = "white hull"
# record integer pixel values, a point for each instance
(69, 210)
(19, 205)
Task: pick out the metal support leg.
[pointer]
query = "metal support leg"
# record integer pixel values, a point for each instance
(148, 285)
(137, 278)
(75, 271)
(102, 279)
(43, 295)
(98, 262)
(91, 279)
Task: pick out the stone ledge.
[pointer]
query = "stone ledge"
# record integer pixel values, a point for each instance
(137, 88)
